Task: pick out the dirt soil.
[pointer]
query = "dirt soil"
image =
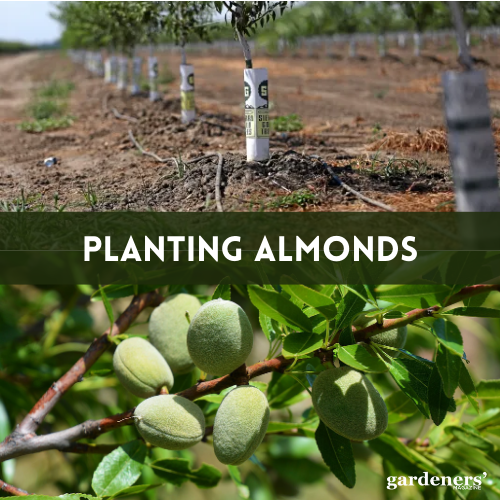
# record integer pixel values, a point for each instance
(375, 125)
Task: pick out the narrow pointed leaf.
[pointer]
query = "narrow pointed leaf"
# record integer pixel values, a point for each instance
(337, 454)
(277, 307)
(323, 304)
(177, 471)
(223, 290)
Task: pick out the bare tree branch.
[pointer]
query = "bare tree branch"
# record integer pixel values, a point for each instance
(19, 445)
(12, 489)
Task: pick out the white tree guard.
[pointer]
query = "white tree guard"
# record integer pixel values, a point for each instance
(382, 46)
(135, 87)
(352, 48)
(108, 70)
(99, 65)
(257, 114)
(154, 95)
(417, 40)
(471, 143)
(122, 73)
(188, 108)
(113, 60)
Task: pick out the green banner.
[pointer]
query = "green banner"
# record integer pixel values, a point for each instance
(191, 248)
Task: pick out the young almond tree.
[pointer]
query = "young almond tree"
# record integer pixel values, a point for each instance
(422, 15)
(84, 28)
(245, 17)
(180, 21)
(151, 24)
(126, 29)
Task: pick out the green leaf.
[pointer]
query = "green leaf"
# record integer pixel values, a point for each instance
(488, 418)
(337, 454)
(488, 389)
(350, 306)
(467, 386)
(468, 435)
(135, 490)
(177, 471)
(121, 291)
(277, 307)
(416, 296)
(357, 356)
(346, 337)
(413, 377)
(399, 406)
(328, 290)
(107, 306)
(243, 490)
(275, 427)
(474, 312)
(449, 335)
(223, 290)
(120, 469)
(404, 458)
(284, 390)
(323, 304)
(67, 496)
(449, 366)
(269, 326)
(439, 402)
(299, 344)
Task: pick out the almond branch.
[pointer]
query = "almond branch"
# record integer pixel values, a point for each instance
(43, 407)
(23, 441)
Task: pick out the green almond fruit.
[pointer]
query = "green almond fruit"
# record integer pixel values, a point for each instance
(140, 368)
(348, 403)
(171, 422)
(220, 337)
(392, 338)
(168, 328)
(240, 425)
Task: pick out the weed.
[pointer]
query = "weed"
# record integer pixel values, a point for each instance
(144, 84)
(288, 123)
(90, 195)
(17, 205)
(301, 198)
(377, 128)
(380, 94)
(166, 77)
(31, 203)
(46, 124)
(46, 108)
(56, 89)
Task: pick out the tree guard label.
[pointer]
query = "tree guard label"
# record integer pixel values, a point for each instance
(250, 122)
(187, 93)
(257, 114)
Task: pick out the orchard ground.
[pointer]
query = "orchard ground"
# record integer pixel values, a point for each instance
(377, 122)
